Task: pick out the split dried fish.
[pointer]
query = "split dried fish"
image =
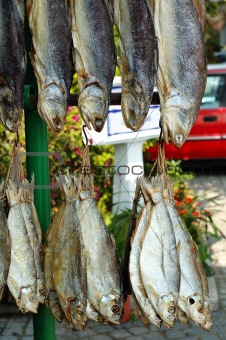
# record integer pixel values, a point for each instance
(22, 277)
(181, 77)
(193, 278)
(93, 39)
(137, 63)
(104, 292)
(69, 266)
(12, 63)
(5, 244)
(34, 234)
(52, 300)
(51, 56)
(159, 262)
(138, 289)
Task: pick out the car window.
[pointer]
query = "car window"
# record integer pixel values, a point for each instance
(215, 92)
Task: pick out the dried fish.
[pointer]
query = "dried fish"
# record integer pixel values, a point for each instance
(51, 56)
(34, 234)
(181, 77)
(12, 63)
(159, 263)
(92, 32)
(138, 289)
(137, 63)
(5, 244)
(69, 267)
(193, 279)
(22, 277)
(52, 300)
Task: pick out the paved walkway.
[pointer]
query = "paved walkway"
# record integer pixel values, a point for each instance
(20, 326)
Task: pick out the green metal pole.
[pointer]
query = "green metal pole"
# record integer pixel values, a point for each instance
(37, 144)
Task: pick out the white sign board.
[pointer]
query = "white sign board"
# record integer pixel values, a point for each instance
(115, 131)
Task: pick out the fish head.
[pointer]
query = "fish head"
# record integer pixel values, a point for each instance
(55, 307)
(52, 106)
(167, 309)
(78, 314)
(193, 307)
(28, 300)
(93, 106)
(111, 307)
(135, 103)
(93, 314)
(10, 112)
(178, 115)
(208, 323)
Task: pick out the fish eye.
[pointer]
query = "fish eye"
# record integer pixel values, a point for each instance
(171, 310)
(115, 309)
(191, 301)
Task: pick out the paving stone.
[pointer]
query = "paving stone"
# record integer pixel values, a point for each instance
(100, 337)
(152, 336)
(86, 333)
(138, 330)
(120, 334)
(104, 328)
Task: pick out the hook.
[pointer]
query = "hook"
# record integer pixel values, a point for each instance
(17, 139)
(84, 131)
(161, 140)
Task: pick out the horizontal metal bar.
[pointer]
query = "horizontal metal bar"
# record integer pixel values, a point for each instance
(73, 99)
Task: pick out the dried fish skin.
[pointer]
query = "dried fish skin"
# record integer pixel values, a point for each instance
(93, 314)
(22, 277)
(51, 58)
(69, 267)
(34, 234)
(159, 262)
(12, 63)
(191, 298)
(52, 300)
(134, 267)
(94, 51)
(103, 273)
(181, 76)
(5, 244)
(137, 63)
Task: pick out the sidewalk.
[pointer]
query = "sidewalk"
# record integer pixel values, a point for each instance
(20, 326)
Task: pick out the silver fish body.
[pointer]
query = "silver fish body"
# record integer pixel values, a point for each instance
(52, 300)
(51, 57)
(12, 63)
(93, 39)
(134, 267)
(34, 234)
(5, 245)
(137, 63)
(103, 273)
(181, 76)
(69, 267)
(22, 277)
(191, 297)
(159, 260)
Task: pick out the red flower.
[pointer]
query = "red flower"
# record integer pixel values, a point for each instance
(196, 213)
(75, 118)
(182, 212)
(189, 200)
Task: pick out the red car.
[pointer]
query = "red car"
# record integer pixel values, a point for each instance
(207, 139)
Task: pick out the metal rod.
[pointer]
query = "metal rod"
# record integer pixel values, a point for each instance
(37, 141)
(115, 99)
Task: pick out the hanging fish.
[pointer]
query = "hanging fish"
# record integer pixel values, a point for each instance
(193, 283)
(104, 283)
(12, 63)
(51, 57)
(95, 61)
(182, 72)
(34, 233)
(22, 277)
(5, 244)
(138, 289)
(69, 266)
(159, 262)
(52, 300)
(137, 63)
